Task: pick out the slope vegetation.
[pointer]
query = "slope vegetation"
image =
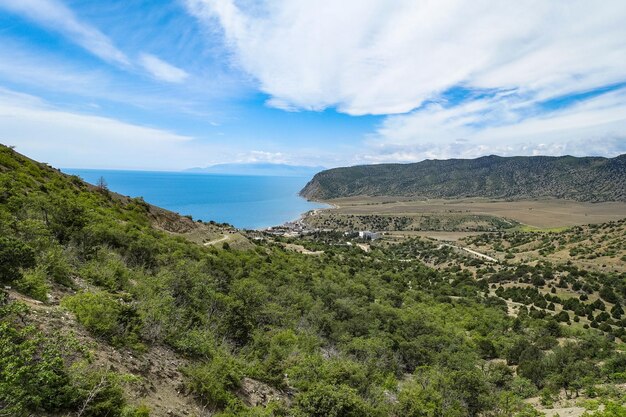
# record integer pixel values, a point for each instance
(104, 313)
(591, 179)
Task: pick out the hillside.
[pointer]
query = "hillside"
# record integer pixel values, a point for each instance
(592, 179)
(107, 309)
(591, 247)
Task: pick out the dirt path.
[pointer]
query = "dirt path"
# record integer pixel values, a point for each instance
(364, 247)
(213, 242)
(301, 249)
(473, 252)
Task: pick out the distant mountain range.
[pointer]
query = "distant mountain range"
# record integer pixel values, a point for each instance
(591, 179)
(260, 168)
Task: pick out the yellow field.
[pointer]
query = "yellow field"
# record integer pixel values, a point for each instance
(535, 214)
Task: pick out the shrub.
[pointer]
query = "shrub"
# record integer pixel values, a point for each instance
(14, 255)
(37, 377)
(34, 284)
(546, 342)
(330, 401)
(562, 317)
(99, 392)
(611, 410)
(107, 318)
(523, 388)
(32, 372)
(56, 265)
(106, 270)
(97, 311)
(214, 381)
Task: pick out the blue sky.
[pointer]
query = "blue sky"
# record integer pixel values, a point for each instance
(183, 83)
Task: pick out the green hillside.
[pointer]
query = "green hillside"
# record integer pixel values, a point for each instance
(104, 312)
(592, 179)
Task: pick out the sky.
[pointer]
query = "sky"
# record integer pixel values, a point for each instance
(170, 85)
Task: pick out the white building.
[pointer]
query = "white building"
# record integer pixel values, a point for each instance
(367, 235)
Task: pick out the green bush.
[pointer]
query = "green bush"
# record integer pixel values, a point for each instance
(106, 270)
(140, 411)
(56, 265)
(611, 410)
(100, 393)
(36, 376)
(106, 317)
(33, 375)
(97, 311)
(213, 382)
(330, 401)
(34, 284)
(14, 255)
(416, 400)
(523, 387)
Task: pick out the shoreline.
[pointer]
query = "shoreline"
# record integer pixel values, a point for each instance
(300, 220)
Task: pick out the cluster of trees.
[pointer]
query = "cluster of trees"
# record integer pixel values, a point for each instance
(388, 222)
(346, 333)
(581, 242)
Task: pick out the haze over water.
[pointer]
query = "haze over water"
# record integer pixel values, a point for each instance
(250, 202)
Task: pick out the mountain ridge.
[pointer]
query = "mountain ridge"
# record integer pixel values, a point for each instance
(593, 179)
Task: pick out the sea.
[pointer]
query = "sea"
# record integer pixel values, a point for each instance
(244, 201)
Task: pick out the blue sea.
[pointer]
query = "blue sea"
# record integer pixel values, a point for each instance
(246, 202)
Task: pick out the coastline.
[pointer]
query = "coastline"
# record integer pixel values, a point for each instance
(245, 202)
(300, 222)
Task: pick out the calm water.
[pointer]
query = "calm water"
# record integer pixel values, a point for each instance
(250, 202)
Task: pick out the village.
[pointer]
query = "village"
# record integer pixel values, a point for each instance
(299, 228)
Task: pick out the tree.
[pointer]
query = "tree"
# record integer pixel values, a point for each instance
(617, 311)
(102, 185)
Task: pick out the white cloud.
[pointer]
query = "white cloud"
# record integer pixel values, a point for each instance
(263, 156)
(397, 58)
(55, 16)
(381, 57)
(78, 140)
(45, 72)
(162, 70)
(593, 127)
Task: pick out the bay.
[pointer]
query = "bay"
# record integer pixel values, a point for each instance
(244, 201)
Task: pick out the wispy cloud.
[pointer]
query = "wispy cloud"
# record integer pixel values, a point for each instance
(377, 57)
(162, 70)
(48, 74)
(593, 127)
(57, 17)
(446, 79)
(403, 59)
(63, 137)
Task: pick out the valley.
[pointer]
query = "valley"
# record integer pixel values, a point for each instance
(461, 215)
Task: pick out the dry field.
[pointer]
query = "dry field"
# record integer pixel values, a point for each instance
(433, 234)
(542, 214)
